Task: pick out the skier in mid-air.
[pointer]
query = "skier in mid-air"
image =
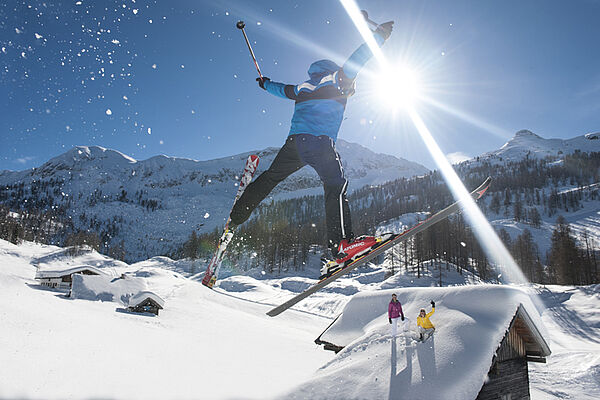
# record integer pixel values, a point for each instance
(319, 109)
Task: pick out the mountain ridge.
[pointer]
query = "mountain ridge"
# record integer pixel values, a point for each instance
(525, 143)
(162, 199)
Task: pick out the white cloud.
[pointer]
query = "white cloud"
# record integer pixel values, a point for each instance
(457, 157)
(24, 160)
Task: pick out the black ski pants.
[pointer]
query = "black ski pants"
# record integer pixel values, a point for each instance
(300, 150)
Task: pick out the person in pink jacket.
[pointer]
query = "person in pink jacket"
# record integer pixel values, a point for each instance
(395, 312)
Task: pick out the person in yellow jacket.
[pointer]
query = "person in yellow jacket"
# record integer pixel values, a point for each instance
(424, 325)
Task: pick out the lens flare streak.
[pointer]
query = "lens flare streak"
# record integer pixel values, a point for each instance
(487, 237)
(489, 240)
(359, 21)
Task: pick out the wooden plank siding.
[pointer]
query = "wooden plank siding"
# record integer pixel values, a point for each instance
(69, 278)
(147, 305)
(512, 346)
(508, 377)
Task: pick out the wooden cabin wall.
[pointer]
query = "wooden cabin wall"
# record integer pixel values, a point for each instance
(509, 374)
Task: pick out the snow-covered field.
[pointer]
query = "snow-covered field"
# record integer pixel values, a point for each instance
(205, 344)
(220, 344)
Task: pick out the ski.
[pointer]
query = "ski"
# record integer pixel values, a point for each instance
(212, 271)
(386, 245)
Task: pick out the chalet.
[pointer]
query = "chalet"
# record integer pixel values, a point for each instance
(508, 377)
(486, 336)
(146, 302)
(62, 279)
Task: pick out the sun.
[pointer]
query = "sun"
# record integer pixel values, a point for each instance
(398, 86)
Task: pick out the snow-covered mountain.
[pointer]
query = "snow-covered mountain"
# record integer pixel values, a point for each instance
(153, 205)
(510, 181)
(527, 144)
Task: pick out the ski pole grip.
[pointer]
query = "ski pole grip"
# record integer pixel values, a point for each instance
(241, 25)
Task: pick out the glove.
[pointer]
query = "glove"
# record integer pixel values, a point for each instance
(390, 320)
(402, 318)
(385, 29)
(261, 82)
(432, 304)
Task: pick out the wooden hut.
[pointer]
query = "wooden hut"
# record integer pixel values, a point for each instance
(62, 279)
(146, 302)
(508, 377)
(486, 336)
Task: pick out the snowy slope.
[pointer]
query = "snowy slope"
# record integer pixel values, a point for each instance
(572, 318)
(580, 221)
(526, 144)
(205, 344)
(220, 345)
(157, 203)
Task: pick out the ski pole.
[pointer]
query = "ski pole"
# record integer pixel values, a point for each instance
(241, 25)
(369, 21)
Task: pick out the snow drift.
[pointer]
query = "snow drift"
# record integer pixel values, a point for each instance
(106, 288)
(470, 321)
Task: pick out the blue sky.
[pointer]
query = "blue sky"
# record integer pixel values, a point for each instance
(175, 77)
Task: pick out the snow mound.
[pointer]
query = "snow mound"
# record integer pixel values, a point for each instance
(65, 258)
(63, 272)
(104, 288)
(240, 284)
(430, 276)
(470, 321)
(40, 329)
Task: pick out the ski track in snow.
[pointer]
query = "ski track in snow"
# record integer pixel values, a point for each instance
(573, 369)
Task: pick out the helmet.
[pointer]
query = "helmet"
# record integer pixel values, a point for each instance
(320, 68)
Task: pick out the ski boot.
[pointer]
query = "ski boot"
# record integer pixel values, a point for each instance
(347, 251)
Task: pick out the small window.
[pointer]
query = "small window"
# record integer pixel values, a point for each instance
(507, 396)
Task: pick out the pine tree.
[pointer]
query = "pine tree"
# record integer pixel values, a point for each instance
(564, 257)
(526, 254)
(534, 217)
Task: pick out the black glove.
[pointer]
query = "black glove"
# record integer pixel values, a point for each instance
(402, 318)
(261, 81)
(385, 29)
(390, 320)
(432, 304)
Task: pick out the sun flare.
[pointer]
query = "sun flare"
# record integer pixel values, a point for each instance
(398, 87)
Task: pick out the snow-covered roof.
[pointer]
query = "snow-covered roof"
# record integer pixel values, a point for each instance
(535, 344)
(106, 288)
(141, 296)
(41, 274)
(470, 322)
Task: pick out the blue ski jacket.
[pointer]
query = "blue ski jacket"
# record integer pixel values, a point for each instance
(321, 100)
